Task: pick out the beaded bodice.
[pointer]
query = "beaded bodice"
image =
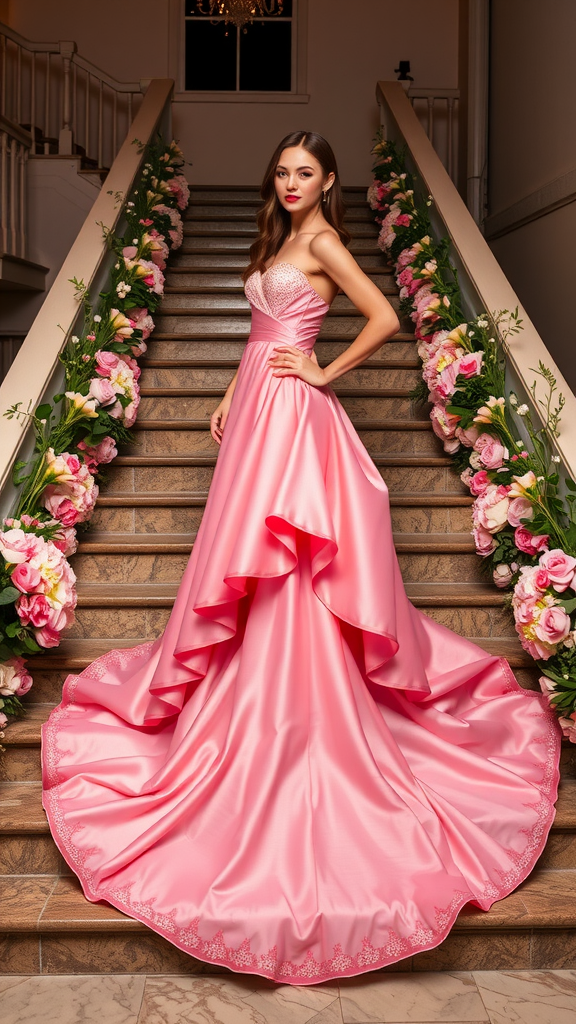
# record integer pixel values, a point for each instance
(278, 287)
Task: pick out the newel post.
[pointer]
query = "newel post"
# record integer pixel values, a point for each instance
(65, 140)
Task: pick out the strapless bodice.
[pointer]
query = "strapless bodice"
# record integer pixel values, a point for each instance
(285, 306)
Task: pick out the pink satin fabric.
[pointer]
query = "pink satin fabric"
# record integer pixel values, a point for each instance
(304, 777)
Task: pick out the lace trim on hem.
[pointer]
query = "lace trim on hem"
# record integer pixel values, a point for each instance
(310, 970)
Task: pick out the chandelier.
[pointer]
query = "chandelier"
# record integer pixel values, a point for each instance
(239, 12)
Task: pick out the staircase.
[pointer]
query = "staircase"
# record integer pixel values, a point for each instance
(143, 531)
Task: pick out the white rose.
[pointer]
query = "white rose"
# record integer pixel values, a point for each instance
(9, 680)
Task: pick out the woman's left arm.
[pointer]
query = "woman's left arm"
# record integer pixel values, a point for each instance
(333, 258)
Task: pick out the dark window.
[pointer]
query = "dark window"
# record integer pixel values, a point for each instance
(219, 58)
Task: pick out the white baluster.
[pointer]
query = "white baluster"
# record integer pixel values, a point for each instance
(4, 189)
(33, 102)
(13, 248)
(100, 122)
(65, 139)
(3, 89)
(47, 106)
(23, 225)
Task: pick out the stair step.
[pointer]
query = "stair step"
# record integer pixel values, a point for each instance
(21, 811)
(218, 363)
(367, 424)
(157, 512)
(197, 302)
(174, 347)
(229, 228)
(246, 210)
(375, 262)
(126, 543)
(164, 470)
(48, 904)
(175, 320)
(154, 499)
(181, 280)
(212, 244)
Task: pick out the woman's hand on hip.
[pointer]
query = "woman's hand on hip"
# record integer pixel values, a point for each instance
(292, 361)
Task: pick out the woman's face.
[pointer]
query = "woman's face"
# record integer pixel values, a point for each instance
(299, 179)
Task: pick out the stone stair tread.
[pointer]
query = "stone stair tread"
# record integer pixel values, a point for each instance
(185, 423)
(443, 595)
(174, 391)
(406, 459)
(212, 244)
(159, 542)
(21, 810)
(375, 263)
(190, 364)
(547, 899)
(243, 335)
(228, 227)
(121, 499)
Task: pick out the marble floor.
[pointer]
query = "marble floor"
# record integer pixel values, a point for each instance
(459, 997)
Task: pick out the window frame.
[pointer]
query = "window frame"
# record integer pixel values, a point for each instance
(177, 64)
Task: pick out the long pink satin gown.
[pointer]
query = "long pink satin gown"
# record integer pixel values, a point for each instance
(304, 777)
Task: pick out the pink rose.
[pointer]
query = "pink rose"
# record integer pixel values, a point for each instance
(25, 577)
(61, 507)
(560, 568)
(65, 540)
(102, 390)
(568, 726)
(142, 321)
(502, 575)
(47, 637)
(490, 509)
(106, 362)
(491, 452)
(480, 482)
(33, 609)
(519, 510)
(3, 720)
(536, 648)
(532, 583)
(17, 546)
(130, 252)
(471, 364)
(553, 625)
(528, 542)
(484, 541)
(444, 426)
(468, 437)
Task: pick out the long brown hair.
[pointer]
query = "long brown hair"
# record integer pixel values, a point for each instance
(274, 221)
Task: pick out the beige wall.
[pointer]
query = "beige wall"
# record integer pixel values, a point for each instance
(532, 142)
(230, 143)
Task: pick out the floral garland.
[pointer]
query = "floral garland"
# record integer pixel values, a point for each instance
(78, 431)
(524, 530)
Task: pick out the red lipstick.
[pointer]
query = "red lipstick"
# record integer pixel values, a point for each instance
(292, 199)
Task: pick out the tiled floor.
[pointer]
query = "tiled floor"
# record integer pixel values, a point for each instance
(494, 997)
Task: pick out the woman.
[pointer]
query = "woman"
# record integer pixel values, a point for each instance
(304, 777)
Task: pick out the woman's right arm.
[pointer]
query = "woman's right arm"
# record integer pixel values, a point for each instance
(220, 415)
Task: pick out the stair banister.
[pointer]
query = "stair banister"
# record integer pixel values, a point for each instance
(37, 373)
(20, 102)
(483, 284)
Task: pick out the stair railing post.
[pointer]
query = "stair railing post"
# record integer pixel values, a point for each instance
(65, 140)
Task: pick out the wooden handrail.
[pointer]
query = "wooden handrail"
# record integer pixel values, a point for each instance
(484, 285)
(37, 361)
(15, 131)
